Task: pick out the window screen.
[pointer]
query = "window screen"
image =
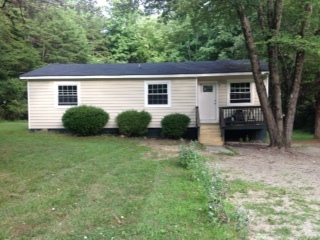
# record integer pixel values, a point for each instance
(157, 94)
(67, 95)
(240, 92)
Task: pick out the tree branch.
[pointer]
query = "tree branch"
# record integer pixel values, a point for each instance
(261, 17)
(4, 3)
(277, 14)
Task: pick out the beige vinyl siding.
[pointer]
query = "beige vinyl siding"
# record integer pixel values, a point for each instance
(223, 88)
(42, 112)
(183, 100)
(114, 96)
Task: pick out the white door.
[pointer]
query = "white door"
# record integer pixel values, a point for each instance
(208, 103)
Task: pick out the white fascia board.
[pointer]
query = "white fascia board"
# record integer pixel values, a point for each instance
(137, 76)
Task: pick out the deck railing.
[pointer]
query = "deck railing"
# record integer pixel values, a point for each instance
(230, 116)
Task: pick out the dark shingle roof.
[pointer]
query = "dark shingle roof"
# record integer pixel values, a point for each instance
(125, 69)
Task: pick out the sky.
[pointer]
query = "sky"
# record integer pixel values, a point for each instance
(101, 3)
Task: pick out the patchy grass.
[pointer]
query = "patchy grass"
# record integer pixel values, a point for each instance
(55, 186)
(283, 212)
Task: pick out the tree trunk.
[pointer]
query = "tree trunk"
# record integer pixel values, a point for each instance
(293, 99)
(317, 118)
(275, 86)
(317, 115)
(296, 81)
(274, 133)
(274, 10)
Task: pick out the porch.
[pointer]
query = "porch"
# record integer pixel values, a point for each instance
(235, 124)
(242, 123)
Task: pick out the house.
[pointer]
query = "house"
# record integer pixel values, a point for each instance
(219, 96)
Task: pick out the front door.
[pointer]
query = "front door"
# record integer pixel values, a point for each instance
(208, 103)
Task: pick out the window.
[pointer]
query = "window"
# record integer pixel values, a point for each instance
(207, 88)
(157, 93)
(67, 94)
(240, 93)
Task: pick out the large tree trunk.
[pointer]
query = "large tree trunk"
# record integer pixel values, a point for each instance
(274, 133)
(280, 130)
(274, 12)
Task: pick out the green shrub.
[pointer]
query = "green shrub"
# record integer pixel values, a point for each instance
(174, 125)
(133, 123)
(85, 120)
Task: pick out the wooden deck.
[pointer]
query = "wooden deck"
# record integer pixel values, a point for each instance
(234, 123)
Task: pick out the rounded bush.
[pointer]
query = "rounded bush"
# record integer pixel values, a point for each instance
(174, 125)
(133, 123)
(85, 120)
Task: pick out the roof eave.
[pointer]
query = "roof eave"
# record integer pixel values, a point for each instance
(137, 76)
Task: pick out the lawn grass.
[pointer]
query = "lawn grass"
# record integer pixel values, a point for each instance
(301, 135)
(56, 186)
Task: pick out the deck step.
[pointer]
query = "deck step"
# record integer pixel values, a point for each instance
(210, 134)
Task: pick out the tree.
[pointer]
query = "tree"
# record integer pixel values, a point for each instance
(17, 54)
(13, 99)
(317, 109)
(270, 16)
(308, 108)
(58, 37)
(33, 33)
(92, 20)
(283, 34)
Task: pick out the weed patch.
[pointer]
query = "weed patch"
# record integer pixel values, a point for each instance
(215, 190)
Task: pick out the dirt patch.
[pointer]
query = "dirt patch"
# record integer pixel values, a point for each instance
(295, 169)
(288, 204)
(161, 148)
(280, 189)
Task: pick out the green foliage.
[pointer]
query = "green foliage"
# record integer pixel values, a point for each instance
(61, 38)
(133, 122)
(13, 99)
(146, 39)
(191, 159)
(17, 53)
(305, 116)
(214, 187)
(85, 120)
(174, 125)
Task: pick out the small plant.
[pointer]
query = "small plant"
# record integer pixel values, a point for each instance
(174, 125)
(85, 120)
(188, 155)
(133, 123)
(191, 159)
(214, 187)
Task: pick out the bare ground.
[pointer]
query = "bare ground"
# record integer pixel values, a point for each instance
(282, 195)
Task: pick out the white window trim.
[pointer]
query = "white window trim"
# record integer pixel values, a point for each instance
(146, 84)
(56, 92)
(251, 92)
